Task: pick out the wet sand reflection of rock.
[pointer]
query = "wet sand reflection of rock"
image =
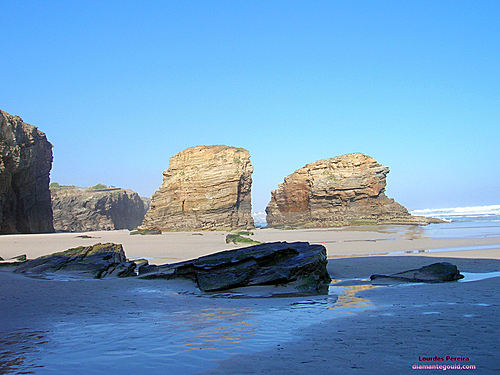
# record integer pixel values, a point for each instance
(17, 349)
(347, 296)
(218, 329)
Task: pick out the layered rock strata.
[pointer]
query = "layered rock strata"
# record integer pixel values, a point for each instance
(97, 261)
(86, 209)
(345, 190)
(298, 265)
(25, 163)
(289, 268)
(204, 188)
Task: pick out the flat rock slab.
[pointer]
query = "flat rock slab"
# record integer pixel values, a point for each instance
(98, 261)
(433, 273)
(298, 265)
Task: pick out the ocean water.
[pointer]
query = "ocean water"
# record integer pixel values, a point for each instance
(462, 222)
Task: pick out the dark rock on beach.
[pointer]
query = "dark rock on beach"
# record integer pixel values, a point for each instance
(25, 163)
(98, 261)
(298, 265)
(433, 273)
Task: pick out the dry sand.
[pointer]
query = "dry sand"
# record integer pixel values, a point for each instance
(177, 246)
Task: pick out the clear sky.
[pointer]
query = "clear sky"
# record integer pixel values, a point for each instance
(121, 86)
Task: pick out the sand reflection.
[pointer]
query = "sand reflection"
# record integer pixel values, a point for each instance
(218, 328)
(347, 296)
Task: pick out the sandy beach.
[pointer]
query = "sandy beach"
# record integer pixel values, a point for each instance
(249, 187)
(167, 326)
(172, 247)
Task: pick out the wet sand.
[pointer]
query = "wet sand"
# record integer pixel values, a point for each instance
(123, 325)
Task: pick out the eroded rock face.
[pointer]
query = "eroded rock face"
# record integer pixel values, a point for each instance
(204, 188)
(433, 273)
(83, 209)
(97, 261)
(25, 163)
(298, 265)
(345, 190)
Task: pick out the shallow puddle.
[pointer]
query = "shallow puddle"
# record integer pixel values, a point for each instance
(470, 276)
(446, 249)
(187, 334)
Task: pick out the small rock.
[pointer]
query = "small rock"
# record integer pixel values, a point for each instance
(433, 273)
(20, 258)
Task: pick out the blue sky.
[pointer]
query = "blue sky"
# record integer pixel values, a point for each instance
(120, 87)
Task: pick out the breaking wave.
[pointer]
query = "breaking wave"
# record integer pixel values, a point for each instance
(259, 218)
(472, 211)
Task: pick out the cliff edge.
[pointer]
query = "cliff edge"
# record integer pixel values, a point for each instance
(25, 163)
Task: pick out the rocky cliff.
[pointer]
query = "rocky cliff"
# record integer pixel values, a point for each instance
(25, 163)
(345, 190)
(204, 188)
(87, 209)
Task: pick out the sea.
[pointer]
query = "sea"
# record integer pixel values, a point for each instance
(463, 222)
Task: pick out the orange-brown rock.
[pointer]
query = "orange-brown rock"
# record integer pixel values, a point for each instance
(345, 190)
(204, 188)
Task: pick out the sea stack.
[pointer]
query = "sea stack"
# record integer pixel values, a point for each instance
(25, 163)
(204, 188)
(344, 190)
(96, 208)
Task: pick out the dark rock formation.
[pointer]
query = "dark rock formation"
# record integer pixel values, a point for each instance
(98, 261)
(298, 265)
(204, 188)
(433, 273)
(87, 209)
(25, 163)
(345, 190)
